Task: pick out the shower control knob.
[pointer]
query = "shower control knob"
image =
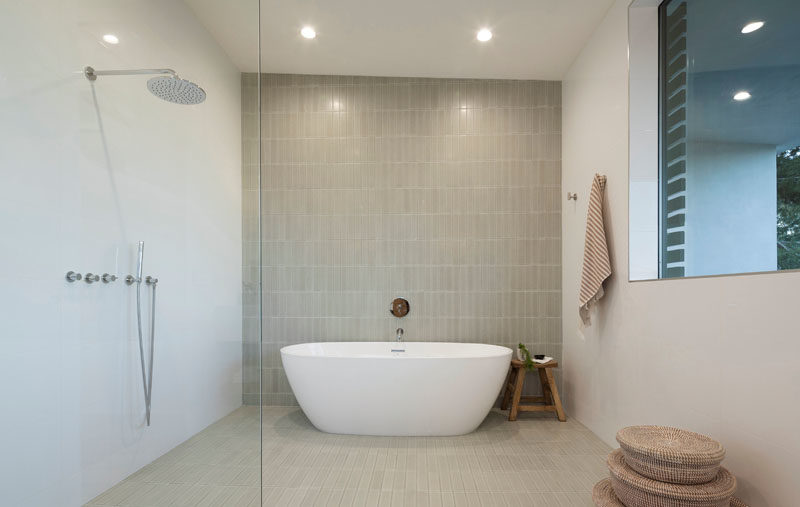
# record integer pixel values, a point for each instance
(108, 278)
(73, 276)
(90, 278)
(149, 280)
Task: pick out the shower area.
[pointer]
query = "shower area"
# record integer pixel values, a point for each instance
(121, 199)
(182, 198)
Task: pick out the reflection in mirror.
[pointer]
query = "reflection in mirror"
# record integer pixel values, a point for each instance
(715, 173)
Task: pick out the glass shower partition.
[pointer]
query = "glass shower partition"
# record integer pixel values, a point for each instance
(89, 168)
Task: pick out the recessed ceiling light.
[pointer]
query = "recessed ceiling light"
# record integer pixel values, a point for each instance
(752, 26)
(742, 95)
(111, 38)
(308, 32)
(484, 34)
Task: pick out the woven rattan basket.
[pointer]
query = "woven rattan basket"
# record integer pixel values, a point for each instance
(671, 454)
(603, 496)
(635, 490)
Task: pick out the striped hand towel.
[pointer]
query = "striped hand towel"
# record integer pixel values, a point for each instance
(596, 264)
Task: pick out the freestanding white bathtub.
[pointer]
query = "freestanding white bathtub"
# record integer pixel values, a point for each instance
(363, 388)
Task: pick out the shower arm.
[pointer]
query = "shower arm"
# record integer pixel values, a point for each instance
(92, 74)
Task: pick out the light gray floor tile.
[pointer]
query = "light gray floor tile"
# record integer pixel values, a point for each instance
(534, 461)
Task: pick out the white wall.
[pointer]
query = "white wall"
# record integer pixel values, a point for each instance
(716, 355)
(83, 177)
(732, 198)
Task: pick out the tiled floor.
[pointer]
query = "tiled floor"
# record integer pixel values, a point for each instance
(536, 461)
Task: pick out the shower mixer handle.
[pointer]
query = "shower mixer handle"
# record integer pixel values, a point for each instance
(108, 278)
(150, 280)
(73, 276)
(90, 278)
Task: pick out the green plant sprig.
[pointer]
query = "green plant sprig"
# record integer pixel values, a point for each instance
(527, 356)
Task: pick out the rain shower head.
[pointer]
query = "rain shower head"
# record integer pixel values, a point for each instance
(168, 86)
(175, 89)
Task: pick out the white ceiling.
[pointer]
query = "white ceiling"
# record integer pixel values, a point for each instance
(533, 39)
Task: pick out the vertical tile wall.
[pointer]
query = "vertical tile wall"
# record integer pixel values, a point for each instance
(444, 191)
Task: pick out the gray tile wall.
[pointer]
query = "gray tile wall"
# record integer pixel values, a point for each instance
(446, 192)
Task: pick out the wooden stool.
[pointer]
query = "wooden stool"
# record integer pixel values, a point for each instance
(513, 391)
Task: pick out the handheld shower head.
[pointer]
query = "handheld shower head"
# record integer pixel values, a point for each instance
(139, 262)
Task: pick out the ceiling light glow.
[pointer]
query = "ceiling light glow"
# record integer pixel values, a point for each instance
(111, 38)
(742, 95)
(752, 26)
(308, 32)
(484, 34)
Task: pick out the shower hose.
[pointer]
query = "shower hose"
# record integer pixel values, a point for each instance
(147, 372)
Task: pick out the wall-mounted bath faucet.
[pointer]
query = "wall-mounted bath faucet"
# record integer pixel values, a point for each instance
(399, 345)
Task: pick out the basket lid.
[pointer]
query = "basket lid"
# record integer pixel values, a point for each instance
(672, 445)
(721, 488)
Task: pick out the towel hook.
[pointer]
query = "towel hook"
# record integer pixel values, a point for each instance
(572, 196)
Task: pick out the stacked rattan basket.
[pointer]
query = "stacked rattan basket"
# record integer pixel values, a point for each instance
(658, 466)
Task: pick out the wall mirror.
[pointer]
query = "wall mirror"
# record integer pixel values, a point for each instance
(714, 137)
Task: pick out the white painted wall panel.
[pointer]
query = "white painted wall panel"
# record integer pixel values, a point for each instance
(678, 352)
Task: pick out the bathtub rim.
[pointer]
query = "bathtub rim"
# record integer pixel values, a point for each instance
(491, 351)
